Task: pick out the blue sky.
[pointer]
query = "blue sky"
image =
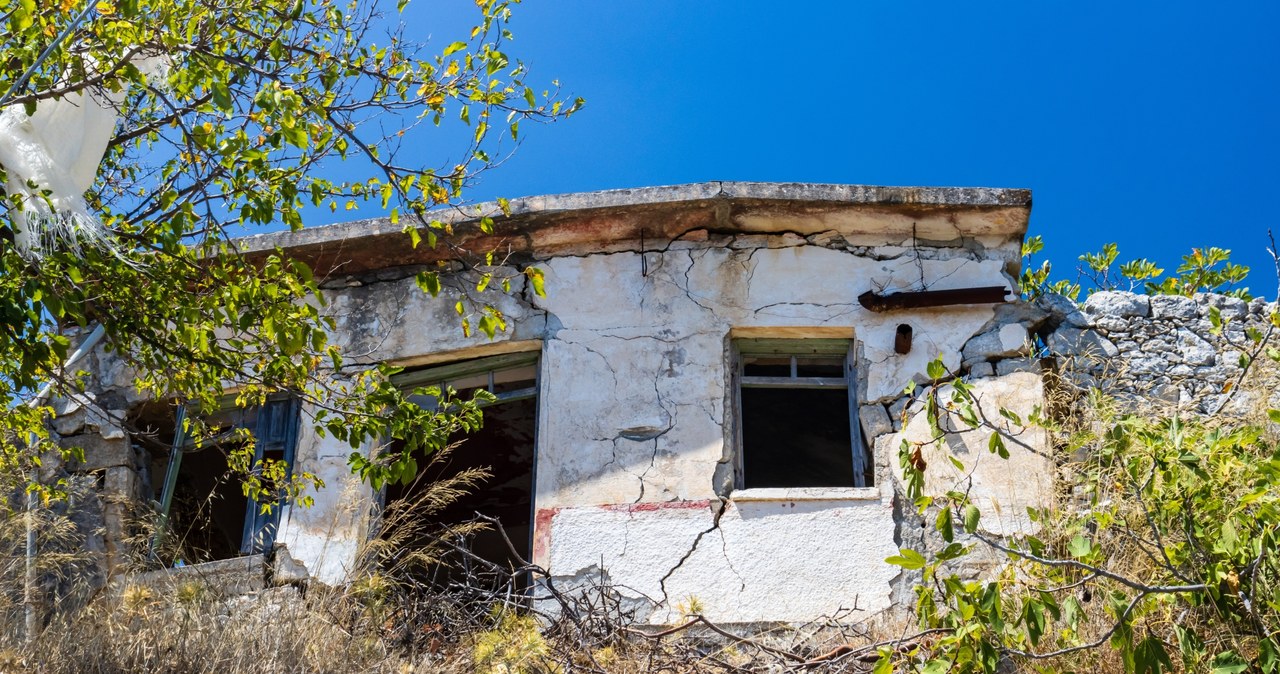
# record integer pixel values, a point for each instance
(1149, 124)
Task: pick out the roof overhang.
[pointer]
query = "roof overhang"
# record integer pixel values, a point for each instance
(581, 223)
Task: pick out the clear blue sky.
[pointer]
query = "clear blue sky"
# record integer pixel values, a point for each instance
(1153, 125)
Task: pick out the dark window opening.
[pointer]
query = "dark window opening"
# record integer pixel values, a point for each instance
(797, 415)
(205, 515)
(796, 438)
(503, 448)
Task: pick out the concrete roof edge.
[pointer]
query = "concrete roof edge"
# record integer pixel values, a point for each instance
(962, 197)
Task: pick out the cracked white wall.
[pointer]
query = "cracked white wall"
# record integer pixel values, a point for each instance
(632, 449)
(633, 458)
(634, 393)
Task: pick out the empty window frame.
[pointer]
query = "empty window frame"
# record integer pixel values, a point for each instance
(797, 414)
(503, 447)
(202, 500)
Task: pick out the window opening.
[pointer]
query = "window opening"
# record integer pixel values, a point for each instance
(202, 502)
(503, 447)
(798, 415)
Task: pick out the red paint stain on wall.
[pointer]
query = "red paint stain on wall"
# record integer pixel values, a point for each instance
(653, 507)
(542, 535)
(543, 521)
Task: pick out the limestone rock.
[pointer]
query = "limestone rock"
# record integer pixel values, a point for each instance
(1007, 367)
(1062, 310)
(980, 370)
(1194, 350)
(1008, 340)
(1230, 308)
(285, 569)
(1122, 304)
(1069, 341)
(1029, 314)
(120, 482)
(875, 421)
(100, 452)
(69, 424)
(1173, 306)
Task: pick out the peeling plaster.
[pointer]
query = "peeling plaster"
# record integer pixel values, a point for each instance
(632, 441)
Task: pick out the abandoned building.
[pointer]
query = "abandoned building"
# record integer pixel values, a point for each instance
(707, 403)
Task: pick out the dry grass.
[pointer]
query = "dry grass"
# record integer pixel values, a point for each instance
(407, 609)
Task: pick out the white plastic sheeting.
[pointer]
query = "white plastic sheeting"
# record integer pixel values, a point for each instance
(51, 159)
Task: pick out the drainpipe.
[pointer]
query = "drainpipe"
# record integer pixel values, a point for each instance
(29, 581)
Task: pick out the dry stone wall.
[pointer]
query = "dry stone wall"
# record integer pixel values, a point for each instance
(1163, 348)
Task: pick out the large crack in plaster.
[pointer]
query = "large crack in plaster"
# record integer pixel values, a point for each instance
(715, 525)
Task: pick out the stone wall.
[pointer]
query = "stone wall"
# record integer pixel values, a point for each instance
(1162, 349)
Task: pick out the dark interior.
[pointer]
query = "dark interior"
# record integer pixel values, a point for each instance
(794, 437)
(503, 447)
(207, 514)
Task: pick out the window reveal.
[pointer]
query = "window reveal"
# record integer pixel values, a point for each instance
(503, 447)
(797, 414)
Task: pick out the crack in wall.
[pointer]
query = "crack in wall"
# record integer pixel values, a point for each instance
(715, 524)
(728, 561)
(688, 285)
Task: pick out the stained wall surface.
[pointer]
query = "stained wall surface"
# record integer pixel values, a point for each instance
(636, 428)
(635, 440)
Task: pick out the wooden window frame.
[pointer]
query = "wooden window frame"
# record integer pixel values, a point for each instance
(796, 349)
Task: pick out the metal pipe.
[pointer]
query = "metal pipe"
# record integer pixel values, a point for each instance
(29, 579)
(30, 617)
(933, 298)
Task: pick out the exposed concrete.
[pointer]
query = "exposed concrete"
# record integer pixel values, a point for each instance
(226, 577)
(326, 538)
(617, 219)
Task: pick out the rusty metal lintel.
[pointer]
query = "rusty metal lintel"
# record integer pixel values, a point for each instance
(933, 298)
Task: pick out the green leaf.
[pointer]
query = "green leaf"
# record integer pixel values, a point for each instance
(950, 552)
(454, 48)
(907, 559)
(971, 517)
(488, 326)
(996, 445)
(428, 282)
(1228, 539)
(1033, 618)
(1080, 547)
(884, 664)
(937, 666)
(1150, 657)
(537, 279)
(221, 95)
(1189, 645)
(936, 369)
(944, 525)
(1229, 663)
(1274, 415)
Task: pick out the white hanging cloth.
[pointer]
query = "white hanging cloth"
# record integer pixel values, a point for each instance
(51, 159)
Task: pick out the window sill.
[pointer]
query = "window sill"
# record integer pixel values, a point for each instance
(806, 494)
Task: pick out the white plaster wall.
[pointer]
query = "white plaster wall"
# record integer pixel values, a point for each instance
(632, 415)
(634, 378)
(327, 536)
(1002, 489)
(763, 560)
